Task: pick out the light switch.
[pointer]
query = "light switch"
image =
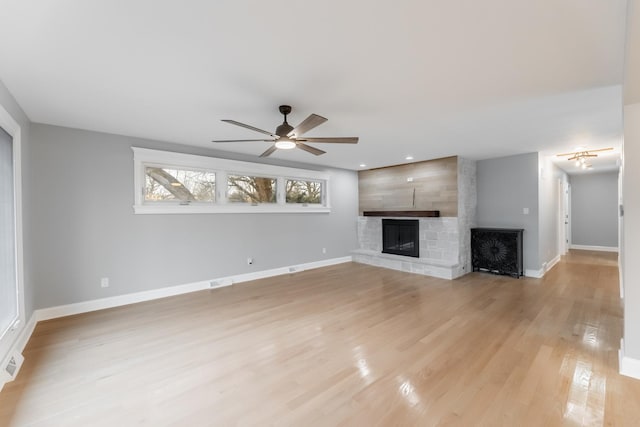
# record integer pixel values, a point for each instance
(525, 211)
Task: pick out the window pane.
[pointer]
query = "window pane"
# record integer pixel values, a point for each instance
(251, 189)
(179, 184)
(304, 191)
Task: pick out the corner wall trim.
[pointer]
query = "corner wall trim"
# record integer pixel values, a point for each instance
(594, 248)
(126, 299)
(628, 366)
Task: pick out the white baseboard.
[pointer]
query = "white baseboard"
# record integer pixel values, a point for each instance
(552, 263)
(287, 270)
(546, 266)
(120, 300)
(537, 274)
(595, 248)
(23, 339)
(628, 366)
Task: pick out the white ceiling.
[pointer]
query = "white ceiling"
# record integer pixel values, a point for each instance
(424, 78)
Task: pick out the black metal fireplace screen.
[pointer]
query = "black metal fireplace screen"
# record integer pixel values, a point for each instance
(401, 237)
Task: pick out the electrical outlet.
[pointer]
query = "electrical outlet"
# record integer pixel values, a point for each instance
(104, 282)
(249, 261)
(324, 250)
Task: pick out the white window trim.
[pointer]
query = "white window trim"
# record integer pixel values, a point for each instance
(222, 168)
(11, 126)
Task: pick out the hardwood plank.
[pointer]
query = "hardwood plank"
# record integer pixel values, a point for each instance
(344, 345)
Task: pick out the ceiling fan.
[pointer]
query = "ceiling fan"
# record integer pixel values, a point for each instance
(287, 137)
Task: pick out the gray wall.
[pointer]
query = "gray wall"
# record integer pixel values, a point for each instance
(594, 209)
(10, 104)
(85, 228)
(506, 185)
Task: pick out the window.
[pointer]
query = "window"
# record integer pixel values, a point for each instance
(167, 182)
(8, 290)
(251, 189)
(12, 313)
(306, 192)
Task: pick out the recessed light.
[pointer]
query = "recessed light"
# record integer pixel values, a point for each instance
(409, 157)
(362, 165)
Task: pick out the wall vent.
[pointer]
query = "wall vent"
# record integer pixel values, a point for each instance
(11, 368)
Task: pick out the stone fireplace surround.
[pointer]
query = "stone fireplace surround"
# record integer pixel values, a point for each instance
(439, 247)
(445, 242)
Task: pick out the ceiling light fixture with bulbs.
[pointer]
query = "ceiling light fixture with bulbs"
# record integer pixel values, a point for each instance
(581, 157)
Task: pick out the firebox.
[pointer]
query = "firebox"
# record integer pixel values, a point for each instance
(401, 237)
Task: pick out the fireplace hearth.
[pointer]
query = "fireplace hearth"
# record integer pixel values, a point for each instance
(401, 237)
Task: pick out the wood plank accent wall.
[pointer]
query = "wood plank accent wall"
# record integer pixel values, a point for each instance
(435, 183)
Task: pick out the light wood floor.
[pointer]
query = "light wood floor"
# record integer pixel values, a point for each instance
(345, 345)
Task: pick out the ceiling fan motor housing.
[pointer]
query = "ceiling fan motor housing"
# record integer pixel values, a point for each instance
(285, 109)
(284, 129)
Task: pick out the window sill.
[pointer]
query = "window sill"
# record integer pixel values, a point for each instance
(227, 208)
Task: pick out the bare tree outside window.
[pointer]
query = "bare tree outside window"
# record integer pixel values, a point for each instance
(303, 191)
(163, 184)
(251, 189)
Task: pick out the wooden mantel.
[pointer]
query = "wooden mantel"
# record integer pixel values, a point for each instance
(402, 213)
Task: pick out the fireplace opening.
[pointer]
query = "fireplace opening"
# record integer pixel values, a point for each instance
(400, 237)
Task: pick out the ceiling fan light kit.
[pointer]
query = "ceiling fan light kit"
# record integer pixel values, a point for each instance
(285, 144)
(287, 137)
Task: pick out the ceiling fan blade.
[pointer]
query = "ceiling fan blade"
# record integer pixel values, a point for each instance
(309, 149)
(307, 124)
(347, 140)
(269, 151)
(233, 122)
(242, 140)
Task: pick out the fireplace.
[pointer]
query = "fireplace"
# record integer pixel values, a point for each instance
(401, 237)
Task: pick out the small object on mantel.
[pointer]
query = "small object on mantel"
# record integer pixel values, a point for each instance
(402, 213)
